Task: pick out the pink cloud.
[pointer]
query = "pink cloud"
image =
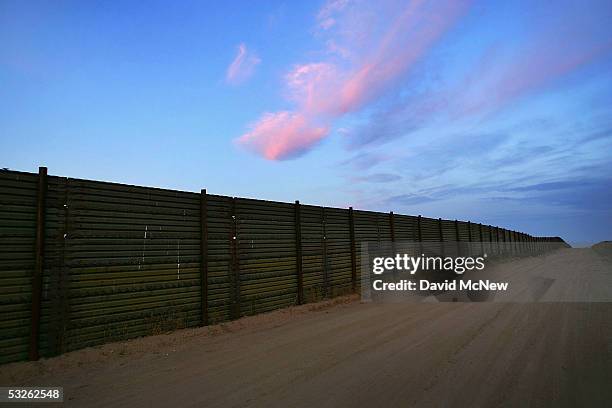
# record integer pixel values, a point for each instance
(502, 76)
(282, 135)
(399, 35)
(413, 32)
(530, 70)
(242, 67)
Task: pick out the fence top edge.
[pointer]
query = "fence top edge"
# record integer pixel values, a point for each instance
(302, 205)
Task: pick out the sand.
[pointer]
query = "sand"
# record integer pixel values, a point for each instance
(345, 353)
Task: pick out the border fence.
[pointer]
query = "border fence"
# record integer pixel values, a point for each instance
(87, 262)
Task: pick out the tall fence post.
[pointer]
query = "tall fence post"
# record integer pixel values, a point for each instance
(469, 238)
(481, 238)
(204, 256)
(499, 251)
(441, 234)
(457, 238)
(234, 262)
(324, 244)
(353, 250)
(392, 233)
(420, 235)
(298, 253)
(38, 267)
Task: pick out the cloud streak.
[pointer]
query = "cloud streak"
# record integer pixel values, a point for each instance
(324, 91)
(505, 73)
(378, 178)
(242, 67)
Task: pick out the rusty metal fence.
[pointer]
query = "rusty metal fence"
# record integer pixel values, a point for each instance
(86, 262)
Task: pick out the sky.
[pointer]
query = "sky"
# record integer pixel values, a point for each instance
(494, 112)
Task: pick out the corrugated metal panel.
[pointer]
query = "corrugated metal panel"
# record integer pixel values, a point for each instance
(133, 259)
(266, 252)
(219, 270)
(449, 233)
(312, 253)
(430, 230)
(338, 237)
(56, 277)
(123, 261)
(405, 227)
(18, 192)
(464, 231)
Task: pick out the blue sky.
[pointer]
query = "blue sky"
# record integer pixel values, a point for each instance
(496, 112)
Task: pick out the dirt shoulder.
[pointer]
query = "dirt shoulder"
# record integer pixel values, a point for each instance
(344, 353)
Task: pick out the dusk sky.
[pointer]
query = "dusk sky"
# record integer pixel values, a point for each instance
(494, 112)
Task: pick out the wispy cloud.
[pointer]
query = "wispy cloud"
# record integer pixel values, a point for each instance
(378, 178)
(559, 43)
(243, 65)
(326, 16)
(409, 199)
(365, 160)
(399, 35)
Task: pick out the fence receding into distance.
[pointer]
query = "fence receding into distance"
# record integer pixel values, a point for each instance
(86, 262)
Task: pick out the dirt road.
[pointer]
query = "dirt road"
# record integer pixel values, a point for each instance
(356, 354)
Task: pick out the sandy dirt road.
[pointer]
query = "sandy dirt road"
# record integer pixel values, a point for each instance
(356, 354)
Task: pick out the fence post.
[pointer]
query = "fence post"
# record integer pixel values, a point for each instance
(353, 250)
(392, 226)
(204, 256)
(392, 233)
(324, 242)
(470, 238)
(526, 243)
(39, 259)
(499, 251)
(481, 238)
(234, 262)
(298, 253)
(440, 232)
(469, 231)
(420, 236)
(457, 238)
